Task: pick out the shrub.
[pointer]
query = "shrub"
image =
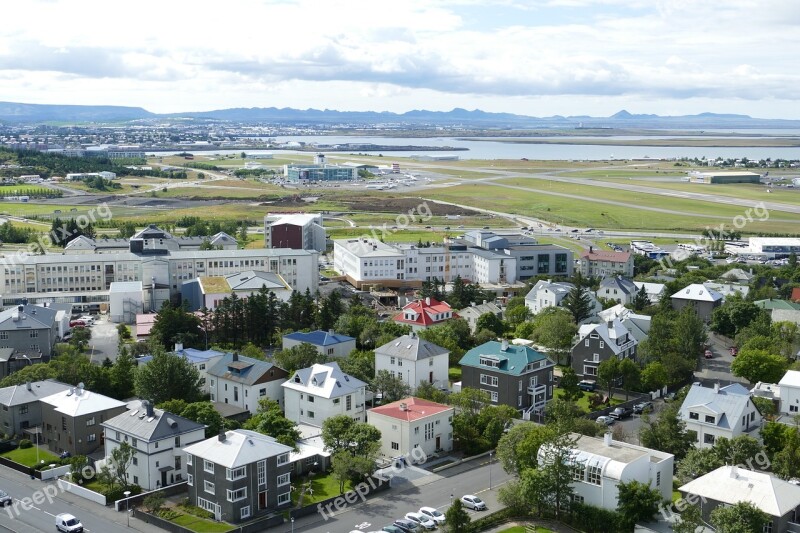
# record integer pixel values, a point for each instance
(593, 519)
(167, 514)
(196, 511)
(25, 443)
(117, 493)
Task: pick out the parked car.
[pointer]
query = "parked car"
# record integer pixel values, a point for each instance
(621, 412)
(642, 407)
(392, 529)
(708, 354)
(734, 351)
(434, 514)
(670, 396)
(422, 520)
(473, 502)
(605, 420)
(5, 499)
(407, 525)
(79, 322)
(587, 385)
(88, 319)
(67, 523)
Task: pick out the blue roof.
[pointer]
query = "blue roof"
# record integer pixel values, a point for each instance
(511, 360)
(319, 337)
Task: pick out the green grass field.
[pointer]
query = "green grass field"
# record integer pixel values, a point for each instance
(28, 456)
(583, 403)
(323, 486)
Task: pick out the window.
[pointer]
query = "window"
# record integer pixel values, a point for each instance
(236, 473)
(395, 446)
(190, 480)
(429, 431)
(311, 414)
(391, 360)
(349, 402)
(710, 419)
(91, 438)
(602, 345)
(262, 473)
(492, 394)
(283, 498)
(134, 442)
(486, 379)
(208, 466)
(244, 512)
(708, 438)
(577, 499)
(593, 474)
(693, 416)
(336, 401)
(519, 388)
(208, 487)
(416, 430)
(23, 409)
(586, 343)
(188, 458)
(767, 527)
(283, 479)
(658, 479)
(589, 370)
(283, 459)
(237, 495)
(178, 441)
(135, 461)
(262, 392)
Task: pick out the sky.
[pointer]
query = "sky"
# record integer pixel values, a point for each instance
(529, 57)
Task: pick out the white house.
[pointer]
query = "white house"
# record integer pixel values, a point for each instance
(637, 325)
(789, 387)
(654, 290)
(472, 313)
(312, 395)
(546, 294)
(328, 343)
(602, 464)
(617, 288)
(413, 423)
(243, 381)
(720, 412)
(158, 438)
(414, 360)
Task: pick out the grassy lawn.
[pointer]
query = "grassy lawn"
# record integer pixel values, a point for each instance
(323, 487)
(454, 373)
(676, 495)
(583, 403)
(523, 529)
(27, 456)
(201, 525)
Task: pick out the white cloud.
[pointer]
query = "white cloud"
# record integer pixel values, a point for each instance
(385, 55)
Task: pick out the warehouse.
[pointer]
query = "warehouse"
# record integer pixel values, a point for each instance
(724, 177)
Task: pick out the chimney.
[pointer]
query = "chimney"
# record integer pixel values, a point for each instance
(221, 435)
(427, 300)
(330, 331)
(591, 249)
(148, 407)
(610, 324)
(716, 388)
(607, 438)
(235, 357)
(734, 472)
(485, 302)
(28, 386)
(404, 407)
(178, 347)
(504, 345)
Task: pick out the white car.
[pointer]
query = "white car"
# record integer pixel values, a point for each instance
(434, 514)
(67, 523)
(422, 520)
(473, 502)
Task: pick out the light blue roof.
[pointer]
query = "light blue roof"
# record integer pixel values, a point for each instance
(319, 337)
(511, 359)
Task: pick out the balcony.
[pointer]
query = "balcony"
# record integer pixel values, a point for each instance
(537, 389)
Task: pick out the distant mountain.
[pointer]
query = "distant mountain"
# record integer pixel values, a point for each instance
(11, 112)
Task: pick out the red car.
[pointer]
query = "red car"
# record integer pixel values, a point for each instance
(734, 351)
(708, 354)
(75, 323)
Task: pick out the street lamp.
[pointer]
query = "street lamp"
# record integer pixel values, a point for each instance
(127, 507)
(490, 470)
(292, 524)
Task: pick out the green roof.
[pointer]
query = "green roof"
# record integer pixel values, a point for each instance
(513, 360)
(777, 304)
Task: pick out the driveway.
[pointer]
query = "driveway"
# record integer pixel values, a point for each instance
(104, 340)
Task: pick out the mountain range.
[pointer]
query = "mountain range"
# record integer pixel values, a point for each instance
(13, 112)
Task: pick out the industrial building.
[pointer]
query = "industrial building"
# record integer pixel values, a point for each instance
(299, 231)
(724, 177)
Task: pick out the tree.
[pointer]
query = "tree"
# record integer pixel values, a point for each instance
(204, 413)
(654, 376)
(269, 420)
(578, 302)
(518, 448)
(609, 375)
(119, 462)
(122, 375)
(80, 338)
(738, 450)
(78, 468)
(742, 517)
(428, 391)
(558, 470)
(690, 520)
(759, 365)
(392, 388)
(733, 316)
(765, 406)
(167, 376)
(698, 462)
(641, 300)
(336, 433)
(297, 357)
(667, 432)
(456, 518)
(637, 502)
(554, 329)
(516, 311)
(569, 385)
(177, 325)
(631, 375)
(689, 333)
(491, 322)
(360, 364)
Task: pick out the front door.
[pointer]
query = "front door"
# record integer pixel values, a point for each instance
(438, 442)
(164, 478)
(430, 377)
(262, 500)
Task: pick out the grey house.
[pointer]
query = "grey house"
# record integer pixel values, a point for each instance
(239, 474)
(518, 376)
(703, 299)
(27, 328)
(21, 411)
(600, 342)
(72, 420)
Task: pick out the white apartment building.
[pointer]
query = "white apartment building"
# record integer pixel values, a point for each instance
(414, 360)
(317, 393)
(158, 438)
(789, 392)
(413, 423)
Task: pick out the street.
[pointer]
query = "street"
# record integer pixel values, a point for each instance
(432, 491)
(48, 501)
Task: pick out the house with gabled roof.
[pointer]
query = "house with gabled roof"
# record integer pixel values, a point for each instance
(617, 288)
(210, 291)
(157, 438)
(425, 313)
(654, 291)
(413, 423)
(29, 328)
(548, 293)
(730, 484)
(600, 342)
(328, 343)
(242, 381)
(314, 394)
(703, 299)
(20, 410)
(414, 360)
(720, 412)
(472, 313)
(513, 375)
(239, 474)
(638, 325)
(602, 263)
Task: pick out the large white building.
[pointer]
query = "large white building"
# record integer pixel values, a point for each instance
(87, 277)
(720, 412)
(413, 423)
(317, 393)
(301, 231)
(414, 360)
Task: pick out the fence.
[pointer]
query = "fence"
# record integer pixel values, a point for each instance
(51, 473)
(82, 492)
(15, 465)
(255, 526)
(132, 501)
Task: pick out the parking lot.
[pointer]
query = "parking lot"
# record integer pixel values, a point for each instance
(104, 340)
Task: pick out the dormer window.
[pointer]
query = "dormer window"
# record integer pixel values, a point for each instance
(297, 379)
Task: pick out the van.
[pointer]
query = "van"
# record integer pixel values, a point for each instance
(67, 523)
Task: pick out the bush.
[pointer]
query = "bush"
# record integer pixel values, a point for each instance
(117, 493)
(167, 514)
(593, 519)
(196, 511)
(25, 443)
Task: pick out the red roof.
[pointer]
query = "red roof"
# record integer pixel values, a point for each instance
(425, 310)
(415, 408)
(602, 255)
(795, 297)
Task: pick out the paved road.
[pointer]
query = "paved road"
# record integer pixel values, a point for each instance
(41, 515)
(434, 491)
(104, 340)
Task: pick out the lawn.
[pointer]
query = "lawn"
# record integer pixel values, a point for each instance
(454, 373)
(524, 529)
(583, 403)
(323, 487)
(27, 456)
(201, 525)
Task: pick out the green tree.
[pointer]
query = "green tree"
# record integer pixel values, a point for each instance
(456, 518)
(428, 391)
(733, 316)
(667, 432)
(689, 333)
(269, 420)
(698, 462)
(491, 322)
(637, 502)
(578, 302)
(177, 325)
(392, 388)
(518, 448)
(738, 450)
(516, 311)
(360, 364)
(122, 375)
(609, 374)
(298, 357)
(742, 517)
(167, 376)
(654, 376)
(204, 413)
(554, 329)
(119, 461)
(558, 470)
(765, 406)
(641, 300)
(690, 519)
(759, 365)
(631, 375)
(569, 385)
(786, 462)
